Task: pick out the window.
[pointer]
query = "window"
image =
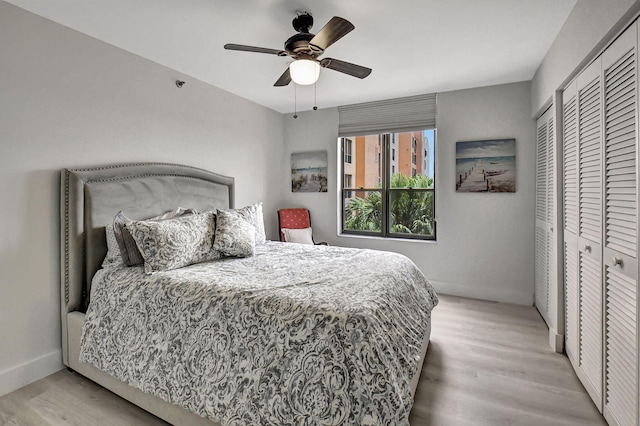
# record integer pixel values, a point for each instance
(347, 151)
(348, 179)
(384, 199)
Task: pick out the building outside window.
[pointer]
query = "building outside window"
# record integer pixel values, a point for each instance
(348, 150)
(425, 163)
(389, 191)
(348, 181)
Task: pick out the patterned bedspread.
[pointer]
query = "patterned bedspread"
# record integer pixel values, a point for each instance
(295, 335)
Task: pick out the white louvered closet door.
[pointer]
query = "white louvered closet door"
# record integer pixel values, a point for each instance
(589, 261)
(570, 219)
(551, 240)
(620, 231)
(545, 243)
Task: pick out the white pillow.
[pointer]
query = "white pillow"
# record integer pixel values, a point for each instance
(301, 236)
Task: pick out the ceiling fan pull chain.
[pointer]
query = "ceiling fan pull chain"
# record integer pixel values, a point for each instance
(315, 96)
(295, 101)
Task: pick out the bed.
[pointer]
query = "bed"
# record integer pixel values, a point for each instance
(284, 336)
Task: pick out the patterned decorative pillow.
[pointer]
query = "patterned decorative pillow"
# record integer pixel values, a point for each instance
(113, 257)
(174, 243)
(253, 215)
(131, 256)
(234, 235)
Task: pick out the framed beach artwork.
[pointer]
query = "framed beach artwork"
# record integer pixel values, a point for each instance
(309, 171)
(486, 166)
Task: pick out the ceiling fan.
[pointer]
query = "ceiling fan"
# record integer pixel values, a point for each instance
(305, 48)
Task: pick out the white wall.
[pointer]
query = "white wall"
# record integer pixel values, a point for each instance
(485, 241)
(589, 26)
(68, 100)
(314, 131)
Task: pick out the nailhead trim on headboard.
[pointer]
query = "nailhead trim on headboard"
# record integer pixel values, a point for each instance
(118, 166)
(143, 176)
(66, 238)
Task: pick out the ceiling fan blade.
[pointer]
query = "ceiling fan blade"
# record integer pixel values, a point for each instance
(244, 48)
(333, 31)
(345, 67)
(284, 79)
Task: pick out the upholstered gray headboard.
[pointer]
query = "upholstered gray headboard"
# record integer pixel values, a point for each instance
(90, 198)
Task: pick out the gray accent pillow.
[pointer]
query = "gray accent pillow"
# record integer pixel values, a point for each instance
(113, 257)
(253, 215)
(174, 243)
(234, 235)
(131, 256)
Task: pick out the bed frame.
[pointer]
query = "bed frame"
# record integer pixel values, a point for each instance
(90, 199)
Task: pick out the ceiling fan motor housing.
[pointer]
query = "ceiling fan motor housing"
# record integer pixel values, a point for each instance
(298, 44)
(303, 22)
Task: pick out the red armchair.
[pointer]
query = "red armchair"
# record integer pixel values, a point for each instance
(294, 225)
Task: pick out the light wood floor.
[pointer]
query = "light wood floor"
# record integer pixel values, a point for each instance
(488, 364)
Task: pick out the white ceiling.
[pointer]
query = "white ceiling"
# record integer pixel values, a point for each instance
(413, 46)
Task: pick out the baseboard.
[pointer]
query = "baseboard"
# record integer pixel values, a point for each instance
(483, 293)
(556, 341)
(24, 374)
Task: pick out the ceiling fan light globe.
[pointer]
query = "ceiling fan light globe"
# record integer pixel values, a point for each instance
(304, 71)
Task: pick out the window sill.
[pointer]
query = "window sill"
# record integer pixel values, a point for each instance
(373, 237)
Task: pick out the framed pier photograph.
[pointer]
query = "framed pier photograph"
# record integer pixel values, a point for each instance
(486, 166)
(309, 171)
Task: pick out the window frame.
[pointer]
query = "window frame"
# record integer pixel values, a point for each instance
(386, 144)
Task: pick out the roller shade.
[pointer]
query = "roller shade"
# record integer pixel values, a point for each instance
(392, 115)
